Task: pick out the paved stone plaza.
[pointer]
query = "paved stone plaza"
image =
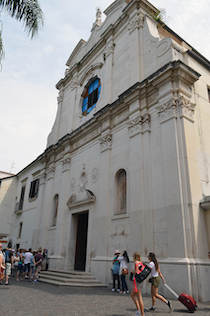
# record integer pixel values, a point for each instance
(39, 299)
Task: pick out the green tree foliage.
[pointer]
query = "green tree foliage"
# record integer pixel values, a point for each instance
(26, 11)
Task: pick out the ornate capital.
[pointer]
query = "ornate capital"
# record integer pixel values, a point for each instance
(50, 171)
(136, 23)
(140, 124)
(174, 108)
(106, 142)
(110, 49)
(66, 163)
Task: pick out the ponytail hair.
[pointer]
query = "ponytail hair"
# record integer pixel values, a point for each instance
(125, 255)
(154, 259)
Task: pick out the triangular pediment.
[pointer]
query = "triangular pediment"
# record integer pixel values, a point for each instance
(73, 55)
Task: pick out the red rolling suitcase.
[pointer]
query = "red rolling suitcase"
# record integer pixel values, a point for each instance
(187, 300)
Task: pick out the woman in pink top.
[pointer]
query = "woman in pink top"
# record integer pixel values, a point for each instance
(136, 291)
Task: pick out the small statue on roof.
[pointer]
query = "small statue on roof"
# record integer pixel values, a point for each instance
(98, 17)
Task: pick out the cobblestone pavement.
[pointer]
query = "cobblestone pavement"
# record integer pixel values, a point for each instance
(38, 299)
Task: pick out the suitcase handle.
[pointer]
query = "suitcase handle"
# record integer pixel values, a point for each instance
(171, 291)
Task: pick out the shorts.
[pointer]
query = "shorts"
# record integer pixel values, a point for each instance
(137, 286)
(38, 268)
(20, 267)
(8, 268)
(155, 281)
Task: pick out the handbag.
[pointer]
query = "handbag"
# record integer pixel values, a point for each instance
(131, 276)
(144, 273)
(124, 271)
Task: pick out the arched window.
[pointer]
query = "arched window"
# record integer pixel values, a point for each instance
(121, 192)
(55, 209)
(91, 95)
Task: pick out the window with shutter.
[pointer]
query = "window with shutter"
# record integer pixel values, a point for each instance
(91, 95)
(34, 189)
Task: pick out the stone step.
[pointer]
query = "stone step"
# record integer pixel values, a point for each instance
(69, 278)
(66, 275)
(53, 282)
(70, 272)
(66, 280)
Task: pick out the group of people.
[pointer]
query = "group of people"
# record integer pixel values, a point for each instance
(22, 264)
(120, 269)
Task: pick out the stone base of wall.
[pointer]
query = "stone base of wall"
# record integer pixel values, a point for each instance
(183, 275)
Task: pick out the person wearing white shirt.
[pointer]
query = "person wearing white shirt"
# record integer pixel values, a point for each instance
(156, 275)
(124, 261)
(27, 263)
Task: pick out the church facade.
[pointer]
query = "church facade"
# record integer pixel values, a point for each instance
(127, 163)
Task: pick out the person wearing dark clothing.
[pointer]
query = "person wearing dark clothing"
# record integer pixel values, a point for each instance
(116, 271)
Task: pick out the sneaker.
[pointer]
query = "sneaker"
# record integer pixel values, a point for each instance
(124, 292)
(127, 292)
(169, 305)
(118, 290)
(113, 290)
(138, 313)
(152, 309)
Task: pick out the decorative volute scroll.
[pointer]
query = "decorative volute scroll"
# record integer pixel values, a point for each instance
(139, 124)
(176, 107)
(76, 200)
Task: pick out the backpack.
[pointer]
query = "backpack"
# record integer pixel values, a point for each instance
(116, 267)
(8, 256)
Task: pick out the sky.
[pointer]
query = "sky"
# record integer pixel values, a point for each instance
(31, 68)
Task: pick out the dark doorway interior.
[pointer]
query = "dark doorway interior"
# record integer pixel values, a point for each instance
(81, 242)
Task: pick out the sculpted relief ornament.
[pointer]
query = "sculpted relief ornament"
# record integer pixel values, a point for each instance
(176, 107)
(106, 142)
(140, 124)
(60, 95)
(136, 23)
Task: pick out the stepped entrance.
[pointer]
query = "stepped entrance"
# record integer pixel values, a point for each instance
(81, 241)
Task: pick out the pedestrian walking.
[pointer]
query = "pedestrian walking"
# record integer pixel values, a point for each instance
(136, 291)
(8, 262)
(156, 276)
(124, 261)
(116, 271)
(38, 264)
